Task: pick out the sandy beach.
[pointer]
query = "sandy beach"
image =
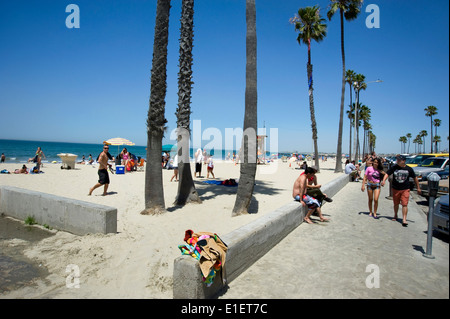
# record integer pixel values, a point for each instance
(137, 261)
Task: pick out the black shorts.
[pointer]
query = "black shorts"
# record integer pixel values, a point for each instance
(103, 177)
(198, 167)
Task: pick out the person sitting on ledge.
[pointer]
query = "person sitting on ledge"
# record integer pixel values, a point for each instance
(299, 194)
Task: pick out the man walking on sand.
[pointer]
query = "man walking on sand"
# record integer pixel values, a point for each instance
(103, 177)
(299, 194)
(401, 186)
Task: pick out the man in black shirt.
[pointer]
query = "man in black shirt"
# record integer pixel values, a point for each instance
(401, 186)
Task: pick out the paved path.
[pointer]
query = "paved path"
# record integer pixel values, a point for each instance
(335, 259)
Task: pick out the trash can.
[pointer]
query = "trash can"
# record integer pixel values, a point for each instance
(68, 160)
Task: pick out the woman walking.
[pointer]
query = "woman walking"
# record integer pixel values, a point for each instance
(373, 176)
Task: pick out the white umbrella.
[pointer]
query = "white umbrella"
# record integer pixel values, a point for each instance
(118, 141)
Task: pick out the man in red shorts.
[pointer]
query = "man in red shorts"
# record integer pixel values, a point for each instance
(401, 186)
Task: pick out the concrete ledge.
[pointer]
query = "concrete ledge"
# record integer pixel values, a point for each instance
(245, 246)
(74, 216)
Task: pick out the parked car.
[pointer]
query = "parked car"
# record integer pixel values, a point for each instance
(389, 161)
(429, 165)
(410, 159)
(416, 161)
(440, 215)
(442, 189)
(443, 174)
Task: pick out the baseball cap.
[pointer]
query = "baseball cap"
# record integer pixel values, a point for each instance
(401, 158)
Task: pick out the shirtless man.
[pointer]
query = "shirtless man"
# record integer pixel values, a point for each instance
(102, 171)
(299, 194)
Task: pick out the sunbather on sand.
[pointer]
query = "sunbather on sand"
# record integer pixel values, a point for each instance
(23, 170)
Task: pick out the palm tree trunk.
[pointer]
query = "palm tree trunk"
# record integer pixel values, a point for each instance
(431, 134)
(356, 125)
(338, 168)
(154, 190)
(186, 188)
(248, 167)
(350, 119)
(309, 68)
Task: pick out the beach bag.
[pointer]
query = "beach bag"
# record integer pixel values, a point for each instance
(229, 182)
(35, 170)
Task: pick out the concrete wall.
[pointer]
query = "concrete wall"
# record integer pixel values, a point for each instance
(245, 246)
(74, 216)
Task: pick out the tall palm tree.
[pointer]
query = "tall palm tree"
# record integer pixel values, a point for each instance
(359, 85)
(430, 111)
(437, 123)
(418, 142)
(350, 78)
(372, 141)
(423, 134)
(249, 142)
(311, 26)
(409, 135)
(348, 9)
(365, 117)
(351, 116)
(156, 121)
(403, 140)
(436, 140)
(186, 188)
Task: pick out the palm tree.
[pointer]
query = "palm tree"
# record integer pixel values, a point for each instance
(186, 188)
(409, 135)
(358, 85)
(350, 78)
(436, 140)
(351, 116)
(249, 142)
(311, 26)
(348, 9)
(418, 142)
(403, 140)
(437, 123)
(430, 111)
(156, 121)
(372, 140)
(365, 117)
(423, 134)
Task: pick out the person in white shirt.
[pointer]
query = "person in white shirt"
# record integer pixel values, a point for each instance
(210, 167)
(352, 170)
(175, 168)
(198, 162)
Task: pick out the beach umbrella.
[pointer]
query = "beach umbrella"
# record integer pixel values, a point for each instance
(167, 147)
(118, 141)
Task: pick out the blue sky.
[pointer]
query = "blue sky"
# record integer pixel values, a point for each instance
(93, 83)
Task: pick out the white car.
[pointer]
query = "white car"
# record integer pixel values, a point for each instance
(440, 215)
(429, 165)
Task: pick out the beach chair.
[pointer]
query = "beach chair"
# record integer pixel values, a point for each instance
(140, 165)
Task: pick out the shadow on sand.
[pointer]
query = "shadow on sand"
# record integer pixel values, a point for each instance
(211, 191)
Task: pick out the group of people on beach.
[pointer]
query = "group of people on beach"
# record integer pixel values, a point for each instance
(37, 158)
(125, 156)
(307, 191)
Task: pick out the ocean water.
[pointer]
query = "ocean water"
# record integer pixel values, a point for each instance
(19, 151)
